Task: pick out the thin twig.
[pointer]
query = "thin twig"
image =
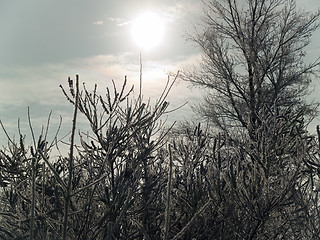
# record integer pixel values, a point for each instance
(140, 85)
(6, 133)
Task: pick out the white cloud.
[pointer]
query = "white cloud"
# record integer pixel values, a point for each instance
(183, 10)
(119, 21)
(100, 22)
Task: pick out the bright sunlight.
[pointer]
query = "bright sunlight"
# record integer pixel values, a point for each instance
(148, 30)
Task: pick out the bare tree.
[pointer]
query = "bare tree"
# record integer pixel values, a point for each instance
(253, 55)
(254, 70)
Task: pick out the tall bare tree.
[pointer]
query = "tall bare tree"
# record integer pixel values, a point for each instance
(257, 78)
(253, 56)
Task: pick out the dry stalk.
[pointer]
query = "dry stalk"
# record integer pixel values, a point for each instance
(70, 171)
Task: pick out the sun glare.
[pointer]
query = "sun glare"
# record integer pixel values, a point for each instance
(148, 30)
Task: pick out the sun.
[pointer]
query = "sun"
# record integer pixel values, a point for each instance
(148, 30)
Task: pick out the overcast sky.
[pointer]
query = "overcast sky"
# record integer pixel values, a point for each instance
(44, 41)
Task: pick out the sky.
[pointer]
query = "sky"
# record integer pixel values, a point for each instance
(43, 42)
